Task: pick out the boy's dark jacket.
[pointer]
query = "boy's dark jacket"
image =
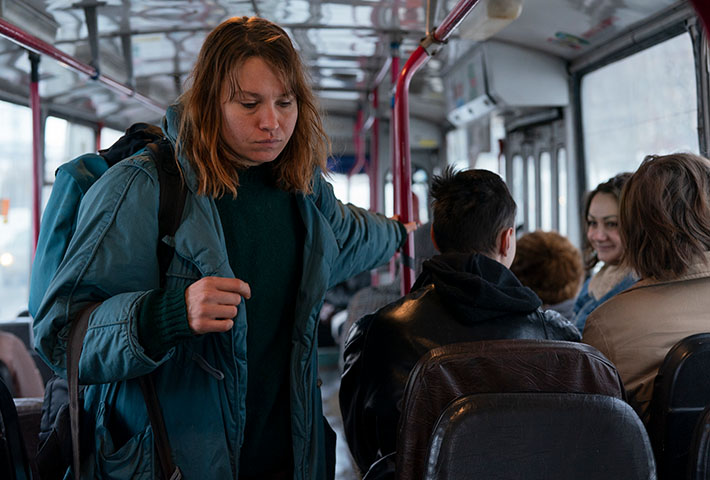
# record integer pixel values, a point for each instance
(457, 298)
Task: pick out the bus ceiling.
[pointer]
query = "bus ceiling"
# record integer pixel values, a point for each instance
(148, 48)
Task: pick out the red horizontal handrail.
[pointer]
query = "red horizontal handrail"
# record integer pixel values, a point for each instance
(30, 42)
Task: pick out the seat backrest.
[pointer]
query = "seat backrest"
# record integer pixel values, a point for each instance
(496, 366)
(6, 377)
(540, 436)
(14, 464)
(22, 329)
(699, 454)
(29, 414)
(681, 391)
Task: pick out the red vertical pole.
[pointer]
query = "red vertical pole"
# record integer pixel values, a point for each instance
(393, 144)
(403, 158)
(393, 135)
(359, 144)
(374, 168)
(99, 129)
(401, 128)
(37, 174)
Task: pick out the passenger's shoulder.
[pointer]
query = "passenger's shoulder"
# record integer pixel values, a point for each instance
(138, 171)
(563, 329)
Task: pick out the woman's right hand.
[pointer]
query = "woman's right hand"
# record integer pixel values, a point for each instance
(212, 303)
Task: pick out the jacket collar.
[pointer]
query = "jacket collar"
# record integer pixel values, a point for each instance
(171, 125)
(700, 269)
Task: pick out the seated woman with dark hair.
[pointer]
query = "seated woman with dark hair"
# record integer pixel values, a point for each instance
(665, 224)
(603, 244)
(551, 266)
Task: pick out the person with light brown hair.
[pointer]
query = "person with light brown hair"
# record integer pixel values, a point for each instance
(551, 266)
(603, 244)
(665, 224)
(230, 338)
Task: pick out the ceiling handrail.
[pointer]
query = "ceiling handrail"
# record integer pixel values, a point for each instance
(34, 44)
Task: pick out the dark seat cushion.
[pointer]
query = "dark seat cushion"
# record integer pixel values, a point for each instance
(540, 436)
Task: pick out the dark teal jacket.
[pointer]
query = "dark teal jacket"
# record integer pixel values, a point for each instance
(202, 382)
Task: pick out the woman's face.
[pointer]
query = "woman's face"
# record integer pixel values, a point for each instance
(259, 120)
(603, 228)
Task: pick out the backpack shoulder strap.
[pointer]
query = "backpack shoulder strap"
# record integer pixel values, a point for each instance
(172, 200)
(74, 348)
(171, 205)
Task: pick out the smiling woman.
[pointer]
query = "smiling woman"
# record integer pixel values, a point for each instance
(603, 244)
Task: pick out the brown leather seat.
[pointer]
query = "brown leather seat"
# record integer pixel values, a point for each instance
(550, 436)
(496, 366)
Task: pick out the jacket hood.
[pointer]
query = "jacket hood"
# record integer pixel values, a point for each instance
(476, 288)
(171, 121)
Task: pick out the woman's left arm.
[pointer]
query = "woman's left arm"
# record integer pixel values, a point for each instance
(365, 239)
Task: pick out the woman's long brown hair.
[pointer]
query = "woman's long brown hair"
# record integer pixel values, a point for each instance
(200, 138)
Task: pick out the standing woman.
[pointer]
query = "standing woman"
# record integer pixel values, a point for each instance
(601, 214)
(230, 340)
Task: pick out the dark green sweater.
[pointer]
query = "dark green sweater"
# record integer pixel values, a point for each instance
(264, 235)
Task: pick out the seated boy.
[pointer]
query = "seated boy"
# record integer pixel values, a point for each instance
(466, 293)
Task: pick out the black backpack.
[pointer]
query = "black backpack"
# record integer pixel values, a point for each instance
(60, 427)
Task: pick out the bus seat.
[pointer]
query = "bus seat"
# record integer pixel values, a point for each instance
(14, 464)
(26, 378)
(21, 328)
(699, 453)
(495, 366)
(681, 391)
(6, 377)
(29, 414)
(540, 435)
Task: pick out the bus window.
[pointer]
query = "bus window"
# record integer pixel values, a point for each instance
(457, 149)
(562, 191)
(531, 203)
(389, 194)
(109, 137)
(355, 190)
(546, 191)
(63, 141)
(15, 208)
(420, 187)
(643, 104)
(518, 189)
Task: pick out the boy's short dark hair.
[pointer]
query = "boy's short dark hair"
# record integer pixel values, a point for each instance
(471, 209)
(550, 265)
